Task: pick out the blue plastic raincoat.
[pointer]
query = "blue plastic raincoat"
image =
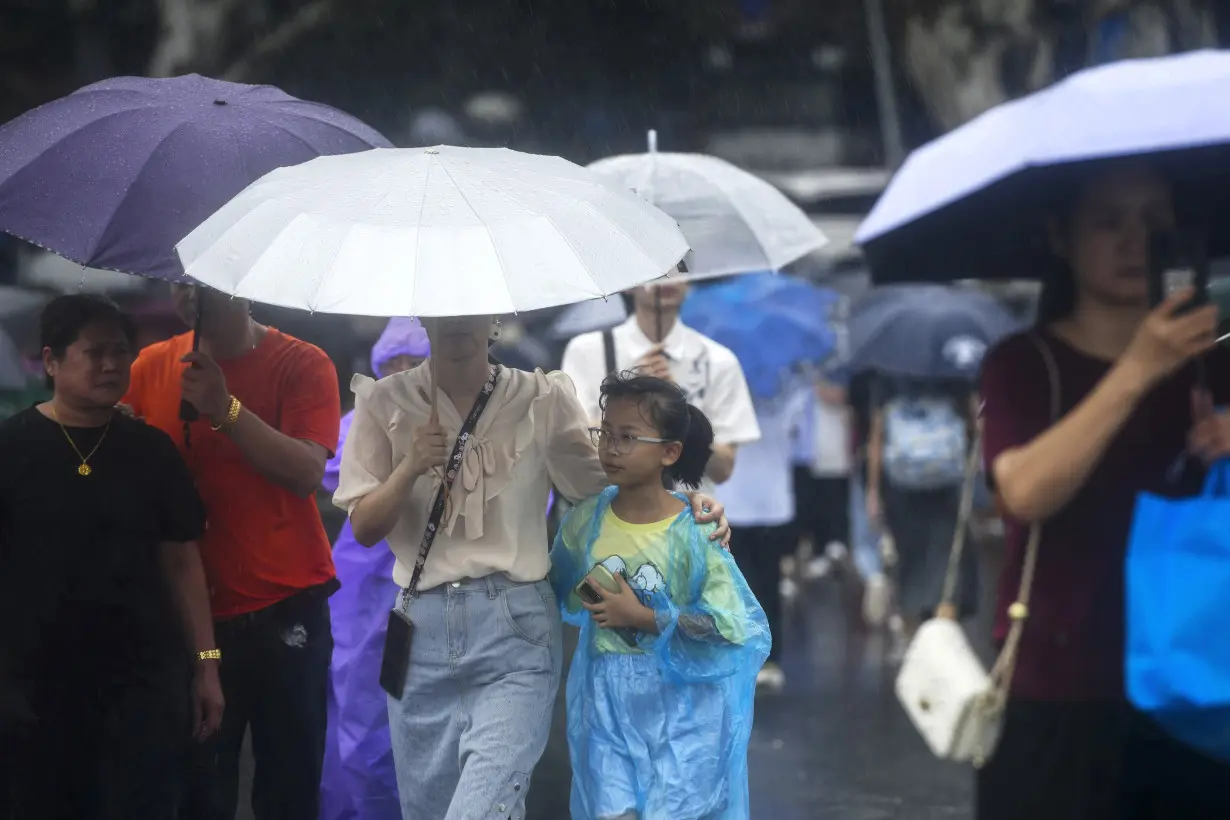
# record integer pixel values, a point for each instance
(661, 728)
(358, 781)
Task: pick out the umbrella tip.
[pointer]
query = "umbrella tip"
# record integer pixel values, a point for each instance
(653, 141)
(219, 102)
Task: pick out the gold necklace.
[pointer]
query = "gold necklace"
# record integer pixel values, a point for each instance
(85, 469)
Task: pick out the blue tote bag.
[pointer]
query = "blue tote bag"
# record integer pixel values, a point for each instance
(1178, 591)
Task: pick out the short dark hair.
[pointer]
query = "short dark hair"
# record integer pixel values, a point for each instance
(668, 411)
(66, 316)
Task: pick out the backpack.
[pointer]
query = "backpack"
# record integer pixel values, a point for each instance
(924, 443)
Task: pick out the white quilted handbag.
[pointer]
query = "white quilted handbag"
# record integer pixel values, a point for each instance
(952, 700)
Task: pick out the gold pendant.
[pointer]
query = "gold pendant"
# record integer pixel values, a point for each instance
(84, 469)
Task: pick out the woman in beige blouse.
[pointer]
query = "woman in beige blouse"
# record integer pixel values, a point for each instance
(484, 663)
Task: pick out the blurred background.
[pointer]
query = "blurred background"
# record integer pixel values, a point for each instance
(821, 99)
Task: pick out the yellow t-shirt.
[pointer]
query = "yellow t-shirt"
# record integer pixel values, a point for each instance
(642, 554)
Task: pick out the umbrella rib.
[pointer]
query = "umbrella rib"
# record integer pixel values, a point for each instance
(381, 141)
(315, 151)
(418, 234)
(605, 189)
(132, 183)
(486, 228)
(58, 142)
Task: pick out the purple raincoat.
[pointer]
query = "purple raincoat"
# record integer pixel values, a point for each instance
(358, 781)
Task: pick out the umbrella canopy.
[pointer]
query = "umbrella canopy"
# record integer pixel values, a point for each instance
(971, 203)
(113, 175)
(925, 331)
(734, 222)
(432, 232)
(773, 324)
(589, 317)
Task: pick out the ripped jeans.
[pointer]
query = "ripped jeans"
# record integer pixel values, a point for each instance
(479, 698)
(275, 678)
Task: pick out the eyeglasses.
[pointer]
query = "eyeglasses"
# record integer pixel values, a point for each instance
(621, 444)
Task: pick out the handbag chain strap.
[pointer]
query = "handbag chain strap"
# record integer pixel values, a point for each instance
(1005, 664)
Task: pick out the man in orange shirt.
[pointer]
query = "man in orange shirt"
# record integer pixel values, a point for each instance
(269, 412)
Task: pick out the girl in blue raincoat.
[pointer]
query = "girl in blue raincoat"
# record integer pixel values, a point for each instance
(662, 684)
(358, 782)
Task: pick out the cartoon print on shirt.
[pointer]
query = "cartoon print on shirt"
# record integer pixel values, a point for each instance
(645, 582)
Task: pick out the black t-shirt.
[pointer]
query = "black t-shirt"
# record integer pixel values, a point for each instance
(83, 589)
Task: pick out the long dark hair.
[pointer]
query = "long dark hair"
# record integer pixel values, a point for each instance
(667, 409)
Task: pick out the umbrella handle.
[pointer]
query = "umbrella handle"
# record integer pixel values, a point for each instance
(434, 419)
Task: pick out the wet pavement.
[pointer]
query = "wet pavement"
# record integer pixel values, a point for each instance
(834, 745)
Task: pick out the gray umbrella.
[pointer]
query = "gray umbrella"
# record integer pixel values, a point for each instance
(589, 317)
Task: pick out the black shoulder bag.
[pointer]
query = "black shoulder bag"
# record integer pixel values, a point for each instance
(395, 663)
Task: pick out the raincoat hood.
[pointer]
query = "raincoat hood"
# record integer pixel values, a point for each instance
(402, 337)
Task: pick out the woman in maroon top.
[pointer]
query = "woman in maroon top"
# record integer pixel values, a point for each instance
(1132, 420)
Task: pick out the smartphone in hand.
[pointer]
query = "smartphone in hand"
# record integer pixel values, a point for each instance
(1178, 259)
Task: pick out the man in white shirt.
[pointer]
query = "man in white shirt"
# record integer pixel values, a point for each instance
(709, 374)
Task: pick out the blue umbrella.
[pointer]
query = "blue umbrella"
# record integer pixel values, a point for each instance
(115, 174)
(971, 204)
(925, 331)
(772, 323)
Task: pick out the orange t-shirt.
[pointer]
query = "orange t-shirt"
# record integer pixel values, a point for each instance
(262, 543)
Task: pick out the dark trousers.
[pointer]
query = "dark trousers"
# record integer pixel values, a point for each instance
(822, 507)
(275, 677)
(759, 551)
(1096, 761)
(100, 749)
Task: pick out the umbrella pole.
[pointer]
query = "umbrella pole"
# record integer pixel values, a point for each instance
(188, 413)
(435, 392)
(657, 312)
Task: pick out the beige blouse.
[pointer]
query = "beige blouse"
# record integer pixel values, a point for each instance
(533, 434)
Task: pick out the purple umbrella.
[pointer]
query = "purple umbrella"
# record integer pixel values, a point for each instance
(115, 174)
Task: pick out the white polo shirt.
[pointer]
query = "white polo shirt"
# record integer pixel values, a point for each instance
(709, 375)
(760, 493)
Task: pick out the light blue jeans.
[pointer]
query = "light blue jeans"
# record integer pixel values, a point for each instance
(476, 711)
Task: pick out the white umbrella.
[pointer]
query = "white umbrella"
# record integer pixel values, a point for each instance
(734, 221)
(431, 232)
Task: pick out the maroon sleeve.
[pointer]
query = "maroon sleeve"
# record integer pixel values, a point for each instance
(1016, 403)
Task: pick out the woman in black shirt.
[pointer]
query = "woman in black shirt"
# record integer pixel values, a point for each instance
(107, 661)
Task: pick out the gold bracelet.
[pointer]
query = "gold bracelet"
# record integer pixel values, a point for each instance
(209, 655)
(232, 416)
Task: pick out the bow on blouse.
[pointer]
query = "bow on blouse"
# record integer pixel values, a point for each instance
(477, 465)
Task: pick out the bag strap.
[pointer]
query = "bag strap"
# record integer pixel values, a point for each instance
(963, 515)
(608, 348)
(446, 484)
(1005, 665)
